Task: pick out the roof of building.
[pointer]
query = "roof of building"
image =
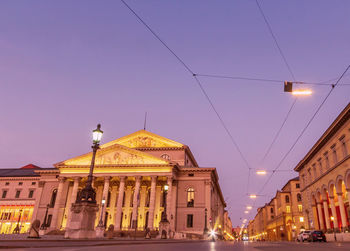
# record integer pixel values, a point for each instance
(26, 171)
(294, 179)
(332, 129)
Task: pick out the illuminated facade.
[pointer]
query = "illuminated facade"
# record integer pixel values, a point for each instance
(282, 218)
(325, 180)
(130, 174)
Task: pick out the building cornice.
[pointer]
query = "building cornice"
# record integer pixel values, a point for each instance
(327, 135)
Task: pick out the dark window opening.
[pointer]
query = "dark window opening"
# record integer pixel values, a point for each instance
(18, 193)
(190, 220)
(53, 198)
(31, 193)
(4, 193)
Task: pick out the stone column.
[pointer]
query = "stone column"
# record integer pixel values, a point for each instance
(169, 198)
(105, 197)
(73, 197)
(135, 200)
(326, 214)
(152, 203)
(54, 223)
(342, 210)
(112, 204)
(38, 200)
(334, 212)
(320, 215)
(118, 213)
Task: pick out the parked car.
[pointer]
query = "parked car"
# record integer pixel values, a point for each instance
(304, 236)
(318, 236)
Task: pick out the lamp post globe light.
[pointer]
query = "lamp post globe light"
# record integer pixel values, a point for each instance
(88, 194)
(164, 224)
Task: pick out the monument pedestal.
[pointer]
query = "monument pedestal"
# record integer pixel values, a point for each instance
(82, 223)
(100, 231)
(164, 229)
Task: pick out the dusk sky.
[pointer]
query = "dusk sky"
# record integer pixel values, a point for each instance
(67, 65)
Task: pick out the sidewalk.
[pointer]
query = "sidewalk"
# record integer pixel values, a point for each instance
(21, 241)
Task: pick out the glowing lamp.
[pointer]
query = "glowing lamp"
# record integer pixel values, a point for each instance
(97, 134)
(246, 212)
(249, 207)
(212, 233)
(332, 218)
(301, 92)
(103, 201)
(166, 187)
(261, 172)
(252, 196)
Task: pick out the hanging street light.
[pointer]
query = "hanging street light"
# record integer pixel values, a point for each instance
(302, 92)
(252, 196)
(249, 207)
(88, 194)
(261, 172)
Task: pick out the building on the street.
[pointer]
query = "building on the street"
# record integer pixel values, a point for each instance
(282, 217)
(227, 227)
(130, 174)
(325, 179)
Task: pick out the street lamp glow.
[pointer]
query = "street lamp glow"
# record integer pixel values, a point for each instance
(246, 212)
(252, 196)
(302, 92)
(97, 134)
(103, 201)
(249, 207)
(166, 187)
(261, 172)
(332, 218)
(212, 233)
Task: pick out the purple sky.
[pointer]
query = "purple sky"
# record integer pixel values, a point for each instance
(67, 65)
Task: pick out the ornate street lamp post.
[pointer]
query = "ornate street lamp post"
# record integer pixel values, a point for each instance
(164, 223)
(100, 223)
(164, 215)
(88, 194)
(44, 225)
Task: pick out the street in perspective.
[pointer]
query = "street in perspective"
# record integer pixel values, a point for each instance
(175, 125)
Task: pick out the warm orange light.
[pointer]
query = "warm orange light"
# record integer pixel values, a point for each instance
(246, 212)
(249, 207)
(332, 218)
(252, 196)
(302, 92)
(261, 172)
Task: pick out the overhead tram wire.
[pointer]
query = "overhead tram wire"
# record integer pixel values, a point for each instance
(304, 129)
(196, 79)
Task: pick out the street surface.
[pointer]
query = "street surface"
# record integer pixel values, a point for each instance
(205, 246)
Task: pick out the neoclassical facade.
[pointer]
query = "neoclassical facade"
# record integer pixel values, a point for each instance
(325, 178)
(130, 174)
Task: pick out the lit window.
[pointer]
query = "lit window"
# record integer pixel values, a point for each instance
(165, 156)
(190, 197)
(301, 219)
(288, 209)
(300, 208)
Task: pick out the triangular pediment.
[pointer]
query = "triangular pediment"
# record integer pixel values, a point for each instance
(142, 139)
(115, 155)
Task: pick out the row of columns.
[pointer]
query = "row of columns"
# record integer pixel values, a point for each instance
(120, 198)
(327, 225)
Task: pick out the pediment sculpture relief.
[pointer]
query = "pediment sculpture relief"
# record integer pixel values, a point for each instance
(142, 141)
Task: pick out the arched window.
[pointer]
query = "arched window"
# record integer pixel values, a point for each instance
(53, 198)
(190, 197)
(287, 199)
(148, 198)
(299, 197)
(165, 156)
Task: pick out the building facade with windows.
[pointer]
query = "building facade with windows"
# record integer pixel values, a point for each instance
(325, 179)
(282, 218)
(130, 174)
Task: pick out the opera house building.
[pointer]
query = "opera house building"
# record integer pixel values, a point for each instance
(129, 176)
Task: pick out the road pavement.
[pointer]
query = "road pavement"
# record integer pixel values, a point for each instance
(202, 246)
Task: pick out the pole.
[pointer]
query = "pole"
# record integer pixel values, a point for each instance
(205, 221)
(44, 224)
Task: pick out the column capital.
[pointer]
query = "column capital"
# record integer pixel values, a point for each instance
(61, 179)
(138, 178)
(76, 179)
(122, 178)
(154, 178)
(107, 178)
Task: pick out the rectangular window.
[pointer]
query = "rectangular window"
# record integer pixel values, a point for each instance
(334, 152)
(300, 208)
(4, 193)
(326, 159)
(20, 183)
(31, 193)
(343, 146)
(33, 183)
(297, 185)
(288, 209)
(18, 193)
(320, 165)
(49, 219)
(7, 183)
(301, 219)
(190, 220)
